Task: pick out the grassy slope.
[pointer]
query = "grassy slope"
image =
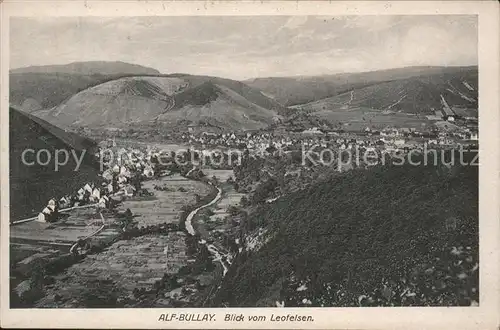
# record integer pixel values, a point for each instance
(371, 224)
(32, 186)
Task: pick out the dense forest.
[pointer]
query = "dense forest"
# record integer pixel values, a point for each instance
(388, 236)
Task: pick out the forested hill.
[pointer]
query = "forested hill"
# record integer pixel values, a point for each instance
(43, 87)
(388, 236)
(32, 184)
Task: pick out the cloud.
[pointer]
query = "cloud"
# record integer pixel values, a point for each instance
(242, 47)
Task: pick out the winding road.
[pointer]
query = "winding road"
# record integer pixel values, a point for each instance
(218, 256)
(189, 225)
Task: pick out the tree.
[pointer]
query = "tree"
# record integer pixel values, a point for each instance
(263, 190)
(233, 210)
(244, 201)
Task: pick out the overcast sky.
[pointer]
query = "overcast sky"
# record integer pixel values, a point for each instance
(246, 47)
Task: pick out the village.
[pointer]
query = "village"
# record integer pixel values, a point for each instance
(183, 213)
(135, 199)
(391, 140)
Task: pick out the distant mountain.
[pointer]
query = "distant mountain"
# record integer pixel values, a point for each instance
(89, 68)
(42, 87)
(170, 100)
(306, 89)
(31, 186)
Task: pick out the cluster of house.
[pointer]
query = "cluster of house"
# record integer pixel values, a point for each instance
(49, 213)
(88, 194)
(216, 139)
(117, 181)
(390, 140)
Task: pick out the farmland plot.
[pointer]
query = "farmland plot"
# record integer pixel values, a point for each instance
(108, 279)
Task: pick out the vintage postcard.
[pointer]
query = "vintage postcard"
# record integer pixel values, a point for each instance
(309, 165)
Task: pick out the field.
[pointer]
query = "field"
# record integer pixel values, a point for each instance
(32, 240)
(167, 204)
(221, 175)
(229, 196)
(357, 119)
(123, 266)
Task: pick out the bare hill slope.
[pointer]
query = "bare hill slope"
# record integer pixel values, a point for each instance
(168, 99)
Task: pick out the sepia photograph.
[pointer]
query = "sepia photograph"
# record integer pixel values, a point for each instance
(231, 162)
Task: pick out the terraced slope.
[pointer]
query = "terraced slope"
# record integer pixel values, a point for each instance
(306, 89)
(171, 100)
(417, 95)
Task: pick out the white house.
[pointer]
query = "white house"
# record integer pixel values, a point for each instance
(44, 215)
(96, 194)
(399, 142)
(88, 188)
(148, 172)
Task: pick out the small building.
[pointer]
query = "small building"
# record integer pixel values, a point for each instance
(96, 195)
(42, 217)
(399, 142)
(129, 190)
(103, 202)
(64, 202)
(148, 172)
(88, 188)
(313, 130)
(46, 215)
(107, 175)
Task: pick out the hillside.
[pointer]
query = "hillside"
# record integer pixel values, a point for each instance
(42, 87)
(169, 99)
(416, 95)
(306, 89)
(395, 235)
(31, 186)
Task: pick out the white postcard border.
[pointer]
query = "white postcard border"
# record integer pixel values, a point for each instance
(486, 316)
